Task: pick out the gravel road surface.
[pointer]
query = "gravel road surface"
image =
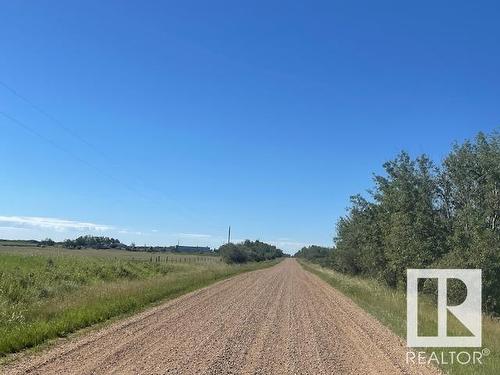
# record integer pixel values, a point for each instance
(280, 320)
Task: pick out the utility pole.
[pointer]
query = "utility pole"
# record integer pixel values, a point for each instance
(229, 235)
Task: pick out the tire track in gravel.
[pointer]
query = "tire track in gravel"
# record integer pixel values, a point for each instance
(156, 344)
(280, 320)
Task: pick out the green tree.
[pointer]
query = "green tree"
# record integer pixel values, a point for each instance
(471, 179)
(246, 251)
(358, 241)
(317, 254)
(427, 217)
(413, 230)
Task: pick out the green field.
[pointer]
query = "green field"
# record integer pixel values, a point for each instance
(50, 292)
(107, 253)
(389, 307)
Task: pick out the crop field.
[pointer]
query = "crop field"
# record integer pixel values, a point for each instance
(52, 292)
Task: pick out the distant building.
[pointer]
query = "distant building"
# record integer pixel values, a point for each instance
(192, 249)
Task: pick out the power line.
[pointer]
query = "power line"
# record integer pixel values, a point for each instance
(51, 118)
(67, 130)
(74, 135)
(66, 151)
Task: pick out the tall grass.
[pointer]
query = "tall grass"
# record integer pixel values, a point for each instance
(389, 307)
(47, 296)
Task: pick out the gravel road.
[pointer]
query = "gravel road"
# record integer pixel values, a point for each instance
(281, 320)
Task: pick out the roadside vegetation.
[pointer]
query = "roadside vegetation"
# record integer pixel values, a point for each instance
(420, 215)
(51, 292)
(316, 254)
(389, 307)
(249, 251)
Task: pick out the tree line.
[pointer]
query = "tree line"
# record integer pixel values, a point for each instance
(422, 215)
(317, 254)
(248, 251)
(94, 242)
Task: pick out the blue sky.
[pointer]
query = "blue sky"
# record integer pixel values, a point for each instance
(168, 121)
